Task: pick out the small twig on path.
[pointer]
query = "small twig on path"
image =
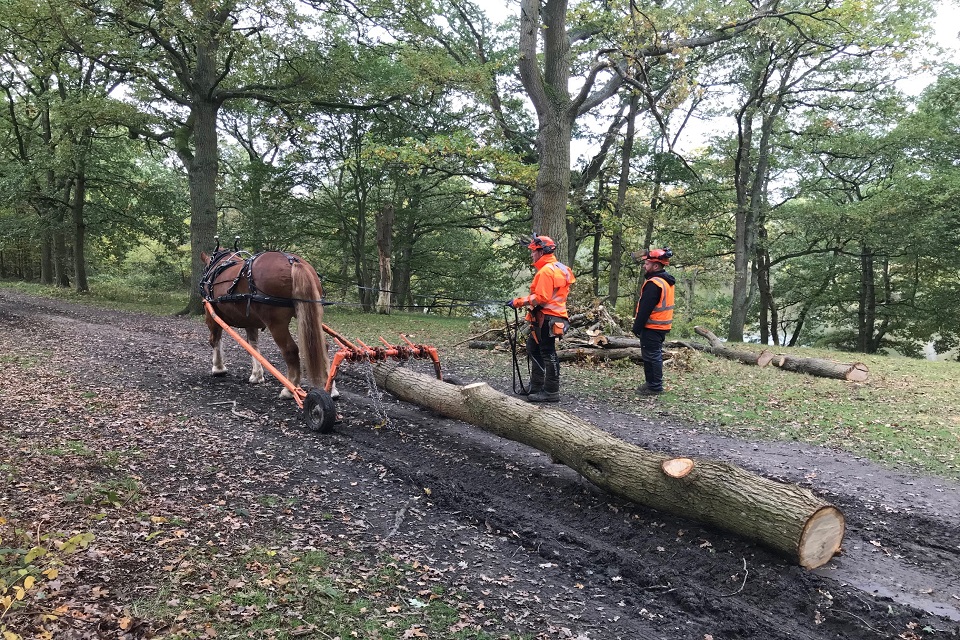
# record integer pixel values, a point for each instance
(853, 615)
(476, 336)
(745, 574)
(233, 410)
(398, 520)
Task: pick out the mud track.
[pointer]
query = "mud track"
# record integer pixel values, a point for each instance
(548, 553)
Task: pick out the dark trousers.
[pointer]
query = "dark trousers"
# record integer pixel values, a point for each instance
(651, 350)
(543, 347)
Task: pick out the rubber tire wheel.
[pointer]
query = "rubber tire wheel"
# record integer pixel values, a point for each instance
(318, 411)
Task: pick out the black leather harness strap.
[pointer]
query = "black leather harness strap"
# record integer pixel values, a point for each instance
(216, 267)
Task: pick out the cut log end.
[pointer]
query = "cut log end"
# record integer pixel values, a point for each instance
(858, 372)
(677, 467)
(821, 537)
(766, 357)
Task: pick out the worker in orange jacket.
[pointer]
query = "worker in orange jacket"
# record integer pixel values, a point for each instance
(547, 317)
(654, 316)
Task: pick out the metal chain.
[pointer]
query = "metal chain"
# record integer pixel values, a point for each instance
(379, 410)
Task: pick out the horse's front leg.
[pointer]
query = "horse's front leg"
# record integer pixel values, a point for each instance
(256, 373)
(216, 342)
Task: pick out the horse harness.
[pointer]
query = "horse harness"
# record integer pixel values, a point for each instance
(218, 264)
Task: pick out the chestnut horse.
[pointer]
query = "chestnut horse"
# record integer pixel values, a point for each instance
(265, 291)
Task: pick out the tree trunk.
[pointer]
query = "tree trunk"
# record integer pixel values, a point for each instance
(718, 348)
(202, 163)
(866, 315)
(853, 371)
(80, 234)
(787, 518)
(616, 227)
(46, 253)
(384, 236)
(549, 93)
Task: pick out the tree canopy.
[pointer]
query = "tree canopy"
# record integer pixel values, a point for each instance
(405, 147)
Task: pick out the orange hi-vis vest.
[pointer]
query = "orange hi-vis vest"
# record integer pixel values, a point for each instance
(661, 317)
(550, 287)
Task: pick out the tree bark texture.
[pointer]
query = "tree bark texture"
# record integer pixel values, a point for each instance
(787, 518)
(202, 167)
(547, 89)
(853, 371)
(384, 236)
(80, 234)
(579, 355)
(718, 348)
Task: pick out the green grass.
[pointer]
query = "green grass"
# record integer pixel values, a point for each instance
(112, 295)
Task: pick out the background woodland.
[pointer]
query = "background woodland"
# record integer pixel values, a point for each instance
(403, 146)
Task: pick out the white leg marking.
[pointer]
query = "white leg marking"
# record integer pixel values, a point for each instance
(256, 372)
(218, 366)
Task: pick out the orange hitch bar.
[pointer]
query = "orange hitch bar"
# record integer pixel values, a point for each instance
(298, 393)
(347, 351)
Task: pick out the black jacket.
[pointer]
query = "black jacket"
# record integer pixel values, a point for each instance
(647, 304)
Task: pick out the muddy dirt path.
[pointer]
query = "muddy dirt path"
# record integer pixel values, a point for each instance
(547, 552)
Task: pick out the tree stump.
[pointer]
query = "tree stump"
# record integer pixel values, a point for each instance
(784, 517)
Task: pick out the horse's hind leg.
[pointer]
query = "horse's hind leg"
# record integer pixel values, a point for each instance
(216, 341)
(256, 373)
(291, 355)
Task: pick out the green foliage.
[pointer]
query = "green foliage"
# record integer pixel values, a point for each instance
(29, 559)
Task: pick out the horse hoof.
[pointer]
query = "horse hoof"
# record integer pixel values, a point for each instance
(255, 380)
(218, 372)
(285, 394)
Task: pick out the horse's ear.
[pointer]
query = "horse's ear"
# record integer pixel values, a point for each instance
(204, 257)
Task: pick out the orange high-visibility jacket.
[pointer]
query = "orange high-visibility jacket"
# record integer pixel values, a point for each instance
(550, 287)
(662, 315)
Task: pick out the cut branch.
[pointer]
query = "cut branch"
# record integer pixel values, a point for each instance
(852, 371)
(578, 355)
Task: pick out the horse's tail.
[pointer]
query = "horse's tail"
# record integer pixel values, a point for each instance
(309, 311)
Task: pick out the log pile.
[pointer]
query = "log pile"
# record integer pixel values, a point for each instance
(784, 517)
(598, 335)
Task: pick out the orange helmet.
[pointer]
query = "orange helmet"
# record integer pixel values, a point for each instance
(654, 255)
(542, 243)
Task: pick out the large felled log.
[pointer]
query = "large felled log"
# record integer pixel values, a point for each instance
(852, 371)
(784, 517)
(718, 348)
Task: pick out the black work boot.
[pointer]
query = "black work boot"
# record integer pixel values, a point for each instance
(536, 381)
(551, 382)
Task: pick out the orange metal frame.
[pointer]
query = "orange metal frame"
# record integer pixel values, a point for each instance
(348, 351)
(298, 393)
(363, 353)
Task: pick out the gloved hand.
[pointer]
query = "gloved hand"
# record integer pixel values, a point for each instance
(509, 303)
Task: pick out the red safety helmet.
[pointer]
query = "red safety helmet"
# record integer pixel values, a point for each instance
(542, 243)
(654, 255)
